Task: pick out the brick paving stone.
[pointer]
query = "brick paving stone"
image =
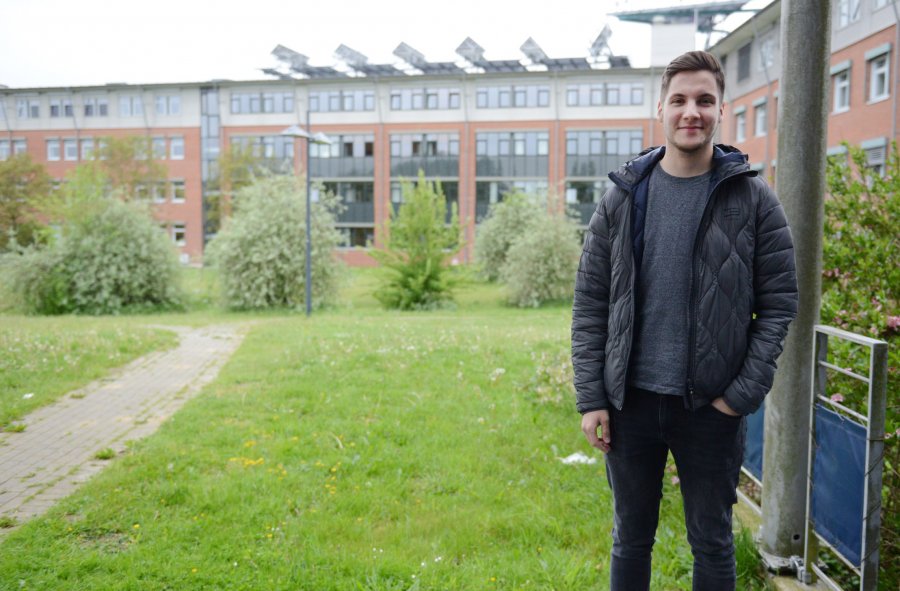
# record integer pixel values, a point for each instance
(55, 453)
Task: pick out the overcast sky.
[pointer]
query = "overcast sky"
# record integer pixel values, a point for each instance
(86, 42)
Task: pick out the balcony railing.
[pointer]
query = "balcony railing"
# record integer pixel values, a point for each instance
(342, 167)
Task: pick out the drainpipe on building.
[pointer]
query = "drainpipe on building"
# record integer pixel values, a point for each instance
(766, 153)
(896, 70)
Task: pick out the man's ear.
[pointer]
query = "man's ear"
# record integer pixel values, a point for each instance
(659, 111)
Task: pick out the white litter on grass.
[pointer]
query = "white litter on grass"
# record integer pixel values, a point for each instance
(27, 396)
(578, 458)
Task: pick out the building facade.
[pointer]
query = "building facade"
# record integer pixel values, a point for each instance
(862, 95)
(482, 128)
(555, 131)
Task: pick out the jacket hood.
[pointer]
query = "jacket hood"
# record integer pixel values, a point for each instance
(727, 161)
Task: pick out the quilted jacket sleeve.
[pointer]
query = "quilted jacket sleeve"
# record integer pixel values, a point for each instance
(590, 312)
(775, 305)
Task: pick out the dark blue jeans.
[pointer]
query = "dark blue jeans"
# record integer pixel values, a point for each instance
(708, 447)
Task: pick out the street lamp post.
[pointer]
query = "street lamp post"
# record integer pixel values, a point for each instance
(296, 131)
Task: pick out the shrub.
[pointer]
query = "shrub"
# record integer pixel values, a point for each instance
(109, 260)
(261, 251)
(541, 264)
(415, 273)
(506, 221)
(861, 293)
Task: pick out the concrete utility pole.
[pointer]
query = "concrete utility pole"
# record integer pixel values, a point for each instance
(800, 183)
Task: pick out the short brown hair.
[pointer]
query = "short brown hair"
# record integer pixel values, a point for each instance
(693, 61)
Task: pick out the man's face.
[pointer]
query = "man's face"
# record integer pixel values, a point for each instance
(691, 111)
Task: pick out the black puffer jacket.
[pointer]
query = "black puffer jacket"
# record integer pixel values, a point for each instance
(743, 288)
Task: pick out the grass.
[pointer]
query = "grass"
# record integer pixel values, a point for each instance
(43, 358)
(107, 453)
(358, 449)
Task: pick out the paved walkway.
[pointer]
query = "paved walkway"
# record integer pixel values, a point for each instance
(55, 453)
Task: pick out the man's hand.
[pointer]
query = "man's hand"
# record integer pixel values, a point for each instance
(590, 421)
(720, 405)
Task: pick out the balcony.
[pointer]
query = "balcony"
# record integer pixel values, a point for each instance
(342, 167)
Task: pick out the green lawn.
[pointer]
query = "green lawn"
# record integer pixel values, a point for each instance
(359, 449)
(43, 358)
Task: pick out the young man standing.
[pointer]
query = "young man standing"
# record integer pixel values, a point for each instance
(683, 297)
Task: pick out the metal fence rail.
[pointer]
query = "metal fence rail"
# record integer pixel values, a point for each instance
(846, 460)
(858, 549)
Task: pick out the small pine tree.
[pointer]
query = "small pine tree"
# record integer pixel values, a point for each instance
(417, 250)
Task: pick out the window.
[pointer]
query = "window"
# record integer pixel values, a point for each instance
(158, 192)
(841, 83)
(87, 149)
(333, 101)
(502, 97)
(767, 50)
(159, 147)
(28, 108)
(177, 191)
(880, 4)
(60, 107)
(4, 149)
(876, 152)
(740, 127)
(848, 12)
(70, 149)
(176, 148)
(179, 236)
(406, 99)
(130, 106)
(96, 107)
(879, 78)
(19, 147)
(168, 104)
(53, 150)
(761, 120)
(744, 62)
(611, 93)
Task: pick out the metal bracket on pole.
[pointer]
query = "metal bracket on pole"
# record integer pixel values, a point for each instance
(779, 565)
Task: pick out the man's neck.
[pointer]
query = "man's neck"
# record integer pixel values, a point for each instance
(686, 164)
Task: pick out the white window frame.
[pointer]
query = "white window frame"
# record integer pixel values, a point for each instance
(131, 105)
(841, 83)
(28, 108)
(70, 149)
(158, 148)
(848, 12)
(179, 227)
(740, 127)
(54, 150)
(876, 4)
(175, 198)
(87, 148)
(19, 147)
(761, 120)
(883, 71)
(167, 104)
(768, 48)
(176, 148)
(5, 149)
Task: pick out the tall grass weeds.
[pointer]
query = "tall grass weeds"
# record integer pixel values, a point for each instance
(358, 449)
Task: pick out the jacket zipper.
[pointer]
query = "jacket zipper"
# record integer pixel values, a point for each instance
(694, 299)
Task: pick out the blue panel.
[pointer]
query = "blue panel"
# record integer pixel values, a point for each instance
(753, 446)
(838, 482)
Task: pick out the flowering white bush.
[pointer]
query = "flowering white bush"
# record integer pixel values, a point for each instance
(541, 263)
(261, 251)
(111, 259)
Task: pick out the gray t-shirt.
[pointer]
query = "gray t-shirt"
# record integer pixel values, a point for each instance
(659, 356)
